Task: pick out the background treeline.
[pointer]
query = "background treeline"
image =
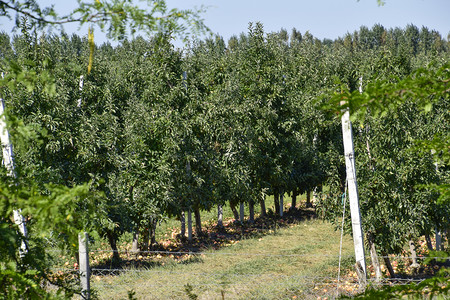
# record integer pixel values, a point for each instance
(159, 131)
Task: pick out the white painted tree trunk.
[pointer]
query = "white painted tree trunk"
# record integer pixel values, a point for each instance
(183, 224)
(374, 257)
(135, 243)
(314, 196)
(438, 240)
(358, 238)
(8, 162)
(412, 249)
(220, 215)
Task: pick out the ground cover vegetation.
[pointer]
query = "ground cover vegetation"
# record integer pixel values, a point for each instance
(155, 132)
(287, 261)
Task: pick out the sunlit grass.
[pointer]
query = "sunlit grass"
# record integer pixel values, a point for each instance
(269, 267)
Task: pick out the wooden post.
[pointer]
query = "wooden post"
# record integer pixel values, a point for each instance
(85, 272)
(241, 212)
(8, 162)
(358, 238)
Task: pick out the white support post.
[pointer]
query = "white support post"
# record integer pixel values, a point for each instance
(81, 89)
(188, 173)
(358, 238)
(85, 272)
(8, 162)
(438, 234)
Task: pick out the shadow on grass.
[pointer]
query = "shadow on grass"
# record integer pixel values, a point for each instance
(182, 251)
(215, 237)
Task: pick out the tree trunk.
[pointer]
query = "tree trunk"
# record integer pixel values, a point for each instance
(183, 224)
(429, 243)
(308, 199)
(374, 257)
(113, 243)
(251, 211)
(281, 203)
(135, 243)
(220, 216)
(294, 198)
(152, 232)
(438, 240)
(145, 238)
(241, 212)
(234, 210)
(276, 200)
(198, 222)
(387, 262)
(262, 203)
(190, 225)
(447, 234)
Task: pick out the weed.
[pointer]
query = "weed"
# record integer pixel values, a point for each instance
(188, 289)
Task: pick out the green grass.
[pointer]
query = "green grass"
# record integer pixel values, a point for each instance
(278, 265)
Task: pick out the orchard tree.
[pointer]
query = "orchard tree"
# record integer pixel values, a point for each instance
(390, 111)
(260, 75)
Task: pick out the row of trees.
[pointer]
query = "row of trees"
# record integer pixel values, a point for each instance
(57, 210)
(158, 131)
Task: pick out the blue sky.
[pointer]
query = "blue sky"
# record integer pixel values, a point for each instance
(322, 18)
